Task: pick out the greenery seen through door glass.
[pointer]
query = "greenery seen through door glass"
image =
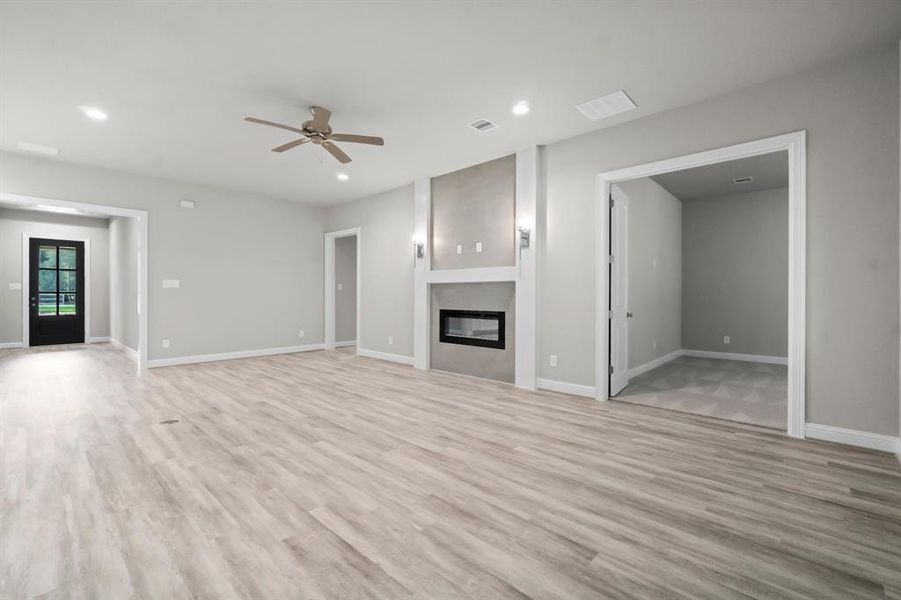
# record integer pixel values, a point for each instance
(47, 305)
(46, 280)
(66, 258)
(47, 257)
(67, 304)
(67, 281)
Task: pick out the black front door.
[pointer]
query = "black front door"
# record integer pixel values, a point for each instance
(57, 292)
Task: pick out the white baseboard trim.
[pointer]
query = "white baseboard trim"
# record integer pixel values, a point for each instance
(131, 352)
(398, 358)
(9, 345)
(852, 437)
(98, 339)
(773, 360)
(345, 344)
(576, 389)
(202, 358)
(653, 364)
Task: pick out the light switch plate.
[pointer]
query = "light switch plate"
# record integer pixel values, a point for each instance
(340, 286)
(171, 283)
(459, 248)
(165, 343)
(15, 286)
(301, 333)
(186, 203)
(478, 246)
(553, 360)
(727, 339)
(390, 340)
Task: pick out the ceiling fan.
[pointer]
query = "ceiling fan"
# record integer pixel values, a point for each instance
(318, 131)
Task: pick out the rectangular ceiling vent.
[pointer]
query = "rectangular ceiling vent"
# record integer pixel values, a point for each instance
(483, 125)
(747, 179)
(606, 106)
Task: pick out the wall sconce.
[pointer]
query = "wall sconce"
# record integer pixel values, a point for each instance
(524, 235)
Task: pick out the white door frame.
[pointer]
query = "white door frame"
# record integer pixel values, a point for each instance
(26, 284)
(795, 144)
(329, 303)
(102, 210)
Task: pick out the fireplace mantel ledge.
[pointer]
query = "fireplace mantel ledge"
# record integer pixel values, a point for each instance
(474, 275)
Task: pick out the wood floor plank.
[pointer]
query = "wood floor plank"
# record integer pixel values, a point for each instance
(325, 475)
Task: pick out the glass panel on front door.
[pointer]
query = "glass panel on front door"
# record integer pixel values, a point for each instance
(57, 273)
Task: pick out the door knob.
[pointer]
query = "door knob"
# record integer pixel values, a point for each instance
(629, 315)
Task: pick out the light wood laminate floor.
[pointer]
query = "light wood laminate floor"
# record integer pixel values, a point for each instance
(323, 475)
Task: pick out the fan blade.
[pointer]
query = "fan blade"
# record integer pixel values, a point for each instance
(290, 145)
(321, 116)
(336, 152)
(271, 124)
(358, 139)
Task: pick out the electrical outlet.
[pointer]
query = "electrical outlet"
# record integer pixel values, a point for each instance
(727, 339)
(654, 263)
(340, 286)
(478, 246)
(654, 344)
(390, 340)
(553, 360)
(165, 343)
(300, 333)
(459, 248)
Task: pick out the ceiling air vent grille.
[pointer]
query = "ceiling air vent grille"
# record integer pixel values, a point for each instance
(606, 106)
(483, 125)
(739, 180)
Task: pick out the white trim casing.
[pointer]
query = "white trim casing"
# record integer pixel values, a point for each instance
(25, 202)
(345, 344)
(203, 358)
(329, 291)
(851, 437)
(795, 145)
(563, 387)
(422, 206)
(526, 288)
(397, 358)
(26, 285)
(100, 339)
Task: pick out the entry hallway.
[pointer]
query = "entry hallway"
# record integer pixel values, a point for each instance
(324, 475)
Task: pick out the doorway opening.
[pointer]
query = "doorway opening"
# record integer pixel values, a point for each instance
(83, 274)
(702, 286)
(342, 289)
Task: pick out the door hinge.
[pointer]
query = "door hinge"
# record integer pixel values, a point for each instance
(610, 258)
(610, 369)
(611, 201)
(609, 314)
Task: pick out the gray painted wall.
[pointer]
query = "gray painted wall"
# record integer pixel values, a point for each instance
(346, 289)
(123, 267)
(386, 239)
(490, 363)
(475, 204)
(655, 271)
(735, 273)
(13, 223)
(228, 252)
(850, 111)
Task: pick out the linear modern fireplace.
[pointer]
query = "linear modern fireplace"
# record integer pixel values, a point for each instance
(472, 328)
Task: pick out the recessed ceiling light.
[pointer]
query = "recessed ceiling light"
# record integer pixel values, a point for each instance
(92, 112)
(521, 108)
(342, 176)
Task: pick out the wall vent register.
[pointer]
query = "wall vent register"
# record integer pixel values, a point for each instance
(472, 328)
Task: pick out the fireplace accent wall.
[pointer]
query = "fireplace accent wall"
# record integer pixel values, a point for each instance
(485, 328)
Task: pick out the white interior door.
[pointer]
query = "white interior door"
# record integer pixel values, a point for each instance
(619, 291)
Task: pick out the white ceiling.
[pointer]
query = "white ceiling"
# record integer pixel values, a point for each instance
(713, 181)
(178, 78)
